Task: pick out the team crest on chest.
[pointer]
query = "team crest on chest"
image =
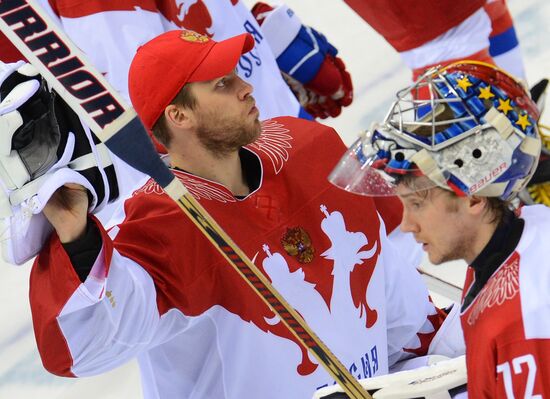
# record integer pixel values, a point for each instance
(193, 15)
(502, 286)
(297, 243)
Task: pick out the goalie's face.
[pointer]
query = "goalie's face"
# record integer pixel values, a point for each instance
(445, 225)
(225, 117)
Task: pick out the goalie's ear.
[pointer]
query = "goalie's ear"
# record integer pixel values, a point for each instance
(179, 116)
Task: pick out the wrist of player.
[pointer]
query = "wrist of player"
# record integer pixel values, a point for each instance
(67, 211)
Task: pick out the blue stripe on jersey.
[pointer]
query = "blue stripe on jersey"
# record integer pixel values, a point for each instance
(304, 114)
(503, 43)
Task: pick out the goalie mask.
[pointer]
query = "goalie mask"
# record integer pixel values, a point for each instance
(476, 134)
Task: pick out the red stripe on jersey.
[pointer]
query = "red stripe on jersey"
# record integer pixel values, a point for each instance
(52, 284)
(8, 51)
(47, 303)
(406, 25)
(79, 8)
(501, 20)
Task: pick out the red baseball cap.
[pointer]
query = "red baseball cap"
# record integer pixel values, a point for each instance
(163, 65)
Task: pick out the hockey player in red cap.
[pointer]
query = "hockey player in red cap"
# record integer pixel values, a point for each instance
(153, 287)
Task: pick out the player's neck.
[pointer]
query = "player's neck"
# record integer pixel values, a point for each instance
(483, 235)
(226, 170)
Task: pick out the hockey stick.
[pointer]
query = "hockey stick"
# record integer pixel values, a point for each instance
(440, 286)
(443, 378)
(67, 70)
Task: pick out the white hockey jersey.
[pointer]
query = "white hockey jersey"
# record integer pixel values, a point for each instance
(161, 292)
(109, 32)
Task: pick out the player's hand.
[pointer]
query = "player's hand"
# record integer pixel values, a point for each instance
(67, 211)
(316, 105)
(333, 86)
(320, 79)
(44, 147)
(45, 144)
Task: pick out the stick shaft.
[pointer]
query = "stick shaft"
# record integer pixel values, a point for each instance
(440, 286)
(114, 122)
(261, 285)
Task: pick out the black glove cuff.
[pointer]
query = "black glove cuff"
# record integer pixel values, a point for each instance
(83, 251)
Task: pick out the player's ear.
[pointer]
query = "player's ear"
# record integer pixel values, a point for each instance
(179, 116)
(476, 205)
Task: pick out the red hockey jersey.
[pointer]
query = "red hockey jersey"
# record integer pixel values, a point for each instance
(161, 292)
(507, 325)
(407, 24)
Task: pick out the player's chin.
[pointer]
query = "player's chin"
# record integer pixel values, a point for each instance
(434, 258)
(257, 127)
(439, 258)
(252, 132)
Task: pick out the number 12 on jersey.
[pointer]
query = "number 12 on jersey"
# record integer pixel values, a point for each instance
(516, 367)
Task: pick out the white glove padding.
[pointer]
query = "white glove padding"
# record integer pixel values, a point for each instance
(43, 146)
(444, 379)
(23, 235)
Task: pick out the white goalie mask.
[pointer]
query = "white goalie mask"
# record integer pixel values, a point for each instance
(475, 133)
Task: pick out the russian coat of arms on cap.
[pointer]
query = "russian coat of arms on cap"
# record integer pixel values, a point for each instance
(192, 36)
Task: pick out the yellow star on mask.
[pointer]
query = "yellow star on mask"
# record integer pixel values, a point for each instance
(485, 93)
(504, 106)
(464, 83)
(523, 121)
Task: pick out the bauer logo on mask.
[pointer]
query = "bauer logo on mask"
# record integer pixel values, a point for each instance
(475, 135)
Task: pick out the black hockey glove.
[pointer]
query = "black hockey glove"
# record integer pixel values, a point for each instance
(43, 145)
